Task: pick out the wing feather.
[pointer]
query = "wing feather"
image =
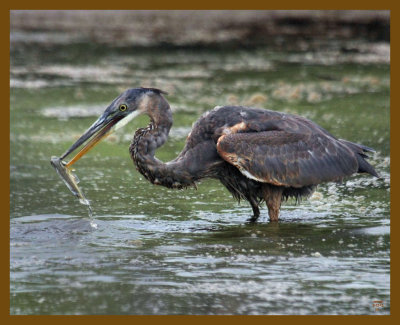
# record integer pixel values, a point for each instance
(288, 159)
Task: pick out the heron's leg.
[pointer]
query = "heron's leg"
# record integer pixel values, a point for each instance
(273, 213)
(256, 211)
(273, 198)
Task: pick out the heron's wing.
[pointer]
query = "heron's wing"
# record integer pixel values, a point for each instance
(288, 159)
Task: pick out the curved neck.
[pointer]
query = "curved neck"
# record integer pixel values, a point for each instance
(143, 147)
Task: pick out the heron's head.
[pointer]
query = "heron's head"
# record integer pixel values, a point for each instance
(122, 110)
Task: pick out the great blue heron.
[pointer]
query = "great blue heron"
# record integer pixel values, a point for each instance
(258, 154)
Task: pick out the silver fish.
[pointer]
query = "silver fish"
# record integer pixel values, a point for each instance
(69, 178)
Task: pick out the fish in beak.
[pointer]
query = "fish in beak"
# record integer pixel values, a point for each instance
(105, 124)
(121, 111)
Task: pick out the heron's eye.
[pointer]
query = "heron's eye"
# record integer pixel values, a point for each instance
(123, 107)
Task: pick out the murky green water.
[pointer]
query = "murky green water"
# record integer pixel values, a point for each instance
(159, 251)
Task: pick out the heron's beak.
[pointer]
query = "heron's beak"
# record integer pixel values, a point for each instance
(104, 126)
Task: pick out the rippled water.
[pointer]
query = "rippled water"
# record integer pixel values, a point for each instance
(158, 251)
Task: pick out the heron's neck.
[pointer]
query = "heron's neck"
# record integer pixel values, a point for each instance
(143, 147)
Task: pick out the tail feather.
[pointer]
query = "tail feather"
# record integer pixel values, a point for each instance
(360, 150)
(365, 167)
(357, 146)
